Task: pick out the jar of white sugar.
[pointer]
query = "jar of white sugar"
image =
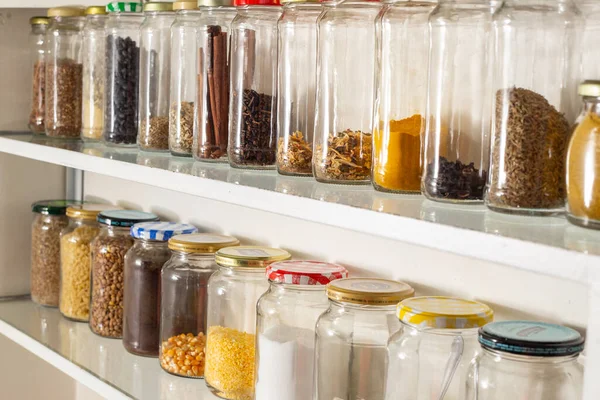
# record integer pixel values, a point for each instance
(286, 318)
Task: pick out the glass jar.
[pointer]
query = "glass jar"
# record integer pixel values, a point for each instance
(122, 73)
(399, 123)
(75, 259)
(534, 105)
(184, 298)
(457, 122)
(37, 47)
(429, 356)
(108, 251)
(526, 360)
(351, 337)
(590, 29)
(49, 219)
(344, 106)
(155, 72)
(64, 72)
(583, 162)
(252, 119)
(233, 292)
(286, 318)
(143, 265)
(211, 130)
(297, 62)
(183, 77)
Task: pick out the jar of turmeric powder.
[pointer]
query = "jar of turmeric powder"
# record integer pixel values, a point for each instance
(398, 125)
(583, 162)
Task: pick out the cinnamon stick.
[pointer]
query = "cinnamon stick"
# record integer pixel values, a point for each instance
(203, 111)
(224, 91)
(217, 87)
(212, 115)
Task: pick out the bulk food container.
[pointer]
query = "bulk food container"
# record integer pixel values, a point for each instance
(37, 49)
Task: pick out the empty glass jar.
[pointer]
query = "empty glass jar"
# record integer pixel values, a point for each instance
(526, 360)
(37, 47)
(590, 29)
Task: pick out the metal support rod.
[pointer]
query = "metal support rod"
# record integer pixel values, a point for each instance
(74, 184)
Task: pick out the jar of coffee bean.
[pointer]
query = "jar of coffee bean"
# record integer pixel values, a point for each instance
(108, 251)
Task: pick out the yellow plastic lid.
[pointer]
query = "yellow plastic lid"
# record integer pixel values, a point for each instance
(250, 256)
(369, 291)
(444, 313)
(158, 6)
(201, 242)
(89, 211)
(67, 11)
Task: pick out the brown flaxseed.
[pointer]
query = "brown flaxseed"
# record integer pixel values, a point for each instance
(63, 98)
(154, 133)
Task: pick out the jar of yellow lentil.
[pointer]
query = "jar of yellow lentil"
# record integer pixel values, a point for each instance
(233, 292)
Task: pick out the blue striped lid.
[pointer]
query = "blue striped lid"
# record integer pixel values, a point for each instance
(160, 231)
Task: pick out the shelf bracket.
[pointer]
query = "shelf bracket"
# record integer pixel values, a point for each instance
(74, 184)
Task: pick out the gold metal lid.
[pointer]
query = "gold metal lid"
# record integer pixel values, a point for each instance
(158, 6)
(68, 11)
(250, 256)
(589, 89)
(39, 20)
(201, 242)
(215, 3)
(89, 211)
(369, 291)
(96, 10)
(185, 5)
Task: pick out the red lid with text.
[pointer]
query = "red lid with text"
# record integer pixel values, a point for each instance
(305, 272)
(256, 3)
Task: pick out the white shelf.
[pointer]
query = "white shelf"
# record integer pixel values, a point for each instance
(549, 246)
(101, 364)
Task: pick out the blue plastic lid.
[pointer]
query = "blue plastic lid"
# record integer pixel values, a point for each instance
(531, 338)
(124, 218)
(160, 231)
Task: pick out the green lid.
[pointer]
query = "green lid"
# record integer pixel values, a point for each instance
(53, 207)
(122, 6)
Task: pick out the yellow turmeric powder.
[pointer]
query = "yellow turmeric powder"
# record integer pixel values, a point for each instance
(397, 164)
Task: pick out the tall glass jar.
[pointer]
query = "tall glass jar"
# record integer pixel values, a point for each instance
(93, 49)
(526, 360)
(184, 298)
(399, 123)
(211, 130)
(252, 117)
(233, 292)
(155, 72)
(457, 122)
(108, 251)
(122, 73)
(143, 266)
(345, 78)
(534, 107)
(286, 318)
(352, 335)
(75, 259)
(296, 86)
(64, 72)
(429, 356)
(183, 77)
(37, 48)
(590, 29)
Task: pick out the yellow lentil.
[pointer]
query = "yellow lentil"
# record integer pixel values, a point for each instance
(183, 355)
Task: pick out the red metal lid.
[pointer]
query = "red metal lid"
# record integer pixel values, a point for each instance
(256, 3)
(305, 272)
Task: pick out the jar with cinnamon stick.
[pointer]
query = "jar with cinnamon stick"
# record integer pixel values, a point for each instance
(211, 131)
(37, 43)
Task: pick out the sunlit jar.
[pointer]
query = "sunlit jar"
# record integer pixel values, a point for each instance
(233, 293)
(526, 360)
(535, 104)
(590, 29)
(352, 335)
(457, 121)
(399, 123)
(94, 73)
(184, 297)
(253, 106)
(211, 130)
(428, 358)
(286, 318)
(297, 62)
(37, 47)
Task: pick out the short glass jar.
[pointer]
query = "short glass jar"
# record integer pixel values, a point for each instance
(184, 60)
(429, 356)
(296, 87)
(211, 130)
(184, 298)
(121, 90)
(526, 360)
(75, 259)
(37, 48)
(233, 292)
(252, 117)
(64, 73)
(108, 251)
(352, 335)
(141, 300)
(286, 317)
(155, 73)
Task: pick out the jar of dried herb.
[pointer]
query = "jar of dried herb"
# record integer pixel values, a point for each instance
(398, 125)
(535, 70)
(344, 106)
(252, 117)
(211, 130)
(456, 151)
(37, 47)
